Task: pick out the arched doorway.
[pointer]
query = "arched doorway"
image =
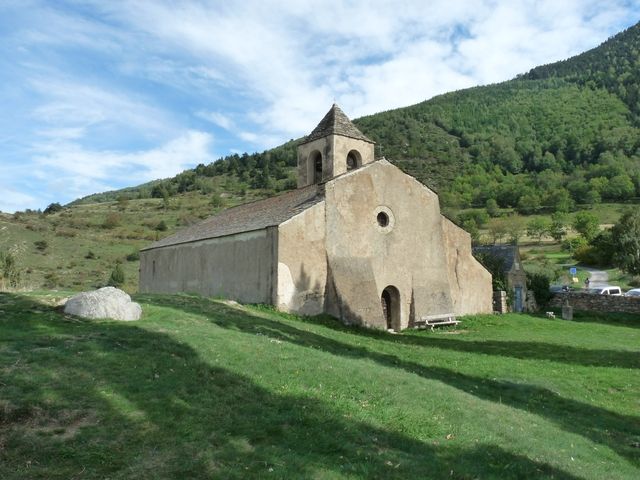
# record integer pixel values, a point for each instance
(390, 301)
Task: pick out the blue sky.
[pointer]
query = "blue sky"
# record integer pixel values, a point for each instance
(99, 95)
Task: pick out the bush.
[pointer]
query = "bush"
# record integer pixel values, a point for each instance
(117, 277)
(217, 201)
(9, 272)
(538, 283)
(51, 280)
(53, 208)
(90, 255)
(41, 245)
(112, 221)
(161, 226)
(599, 253)
(133, 256)
(573, 244)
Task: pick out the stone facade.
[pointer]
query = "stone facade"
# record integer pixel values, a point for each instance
(597, 303)
(359, 239)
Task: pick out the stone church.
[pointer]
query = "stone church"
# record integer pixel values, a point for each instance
(358, 239)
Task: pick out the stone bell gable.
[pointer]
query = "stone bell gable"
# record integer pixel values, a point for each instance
(334, 147)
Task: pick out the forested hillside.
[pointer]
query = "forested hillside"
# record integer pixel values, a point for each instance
(561, 135)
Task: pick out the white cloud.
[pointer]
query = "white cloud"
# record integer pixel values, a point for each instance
(294, 58)
(72, 164)
(12, 200)
(112, 93)
(72, 106)
(218, 118)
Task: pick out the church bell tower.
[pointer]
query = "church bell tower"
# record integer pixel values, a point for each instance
(334, 147)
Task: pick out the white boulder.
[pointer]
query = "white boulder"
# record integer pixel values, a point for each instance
(107, 302)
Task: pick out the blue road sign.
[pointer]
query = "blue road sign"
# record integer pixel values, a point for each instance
(573, 270)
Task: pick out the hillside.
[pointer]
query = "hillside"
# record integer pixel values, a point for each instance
(551, 140)
(202, 389)
(562, 134)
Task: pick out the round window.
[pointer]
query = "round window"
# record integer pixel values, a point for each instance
(385, 220)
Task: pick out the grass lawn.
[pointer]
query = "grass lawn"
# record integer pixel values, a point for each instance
(202, 389)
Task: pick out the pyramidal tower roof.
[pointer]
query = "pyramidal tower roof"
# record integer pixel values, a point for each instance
(335, 122)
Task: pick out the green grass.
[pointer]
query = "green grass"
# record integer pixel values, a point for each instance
(79, 229)
(202, 389)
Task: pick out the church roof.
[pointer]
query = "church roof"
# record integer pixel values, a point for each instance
(335, 122)
(247, 217)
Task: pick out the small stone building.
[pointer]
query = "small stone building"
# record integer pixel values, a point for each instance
(358, 239)
(509, 258)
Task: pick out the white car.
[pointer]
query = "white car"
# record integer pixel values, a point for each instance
(606, 290)
(634, 292)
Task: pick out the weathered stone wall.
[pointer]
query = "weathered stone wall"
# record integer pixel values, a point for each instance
(597, 303)
(302, 263)
(410, 253)
(470, 282)
(241, 267)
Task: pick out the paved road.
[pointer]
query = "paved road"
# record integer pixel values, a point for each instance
(597, 278)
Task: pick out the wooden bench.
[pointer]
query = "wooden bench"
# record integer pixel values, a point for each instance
(432, 321)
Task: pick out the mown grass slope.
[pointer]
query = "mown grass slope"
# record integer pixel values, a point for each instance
(204, 389)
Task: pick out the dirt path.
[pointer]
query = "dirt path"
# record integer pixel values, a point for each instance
(597, 278)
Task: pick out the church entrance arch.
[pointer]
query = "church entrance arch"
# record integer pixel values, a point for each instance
(390, 301)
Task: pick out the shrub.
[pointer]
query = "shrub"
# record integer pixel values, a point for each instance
(9, 272)
(217, 201)
(117, 277)
(572, 244)
(112, 221)
(41, 245)
(66, 232)
(133, 256)
(53, 208)
(51, 280)
(538, 283)
(161, 226)
(90, 255)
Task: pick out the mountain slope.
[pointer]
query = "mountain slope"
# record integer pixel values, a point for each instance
(562, 134)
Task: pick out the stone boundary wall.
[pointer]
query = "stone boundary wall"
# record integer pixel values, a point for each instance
(597, 303)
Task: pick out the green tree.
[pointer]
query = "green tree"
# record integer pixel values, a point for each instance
(626, 239)
(498, 229)
(558, 227)
(538, 227)
(586, 224)
(471, 227)
(559, 200)
(53, 208)
(620, 187)
(492, 208)
(117, 276)
(528, 204)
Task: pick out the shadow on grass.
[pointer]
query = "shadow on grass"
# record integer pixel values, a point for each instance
(507, 348)
(600, 425)
(105, 399)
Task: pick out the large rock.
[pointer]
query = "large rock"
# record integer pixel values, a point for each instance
(107, 302)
